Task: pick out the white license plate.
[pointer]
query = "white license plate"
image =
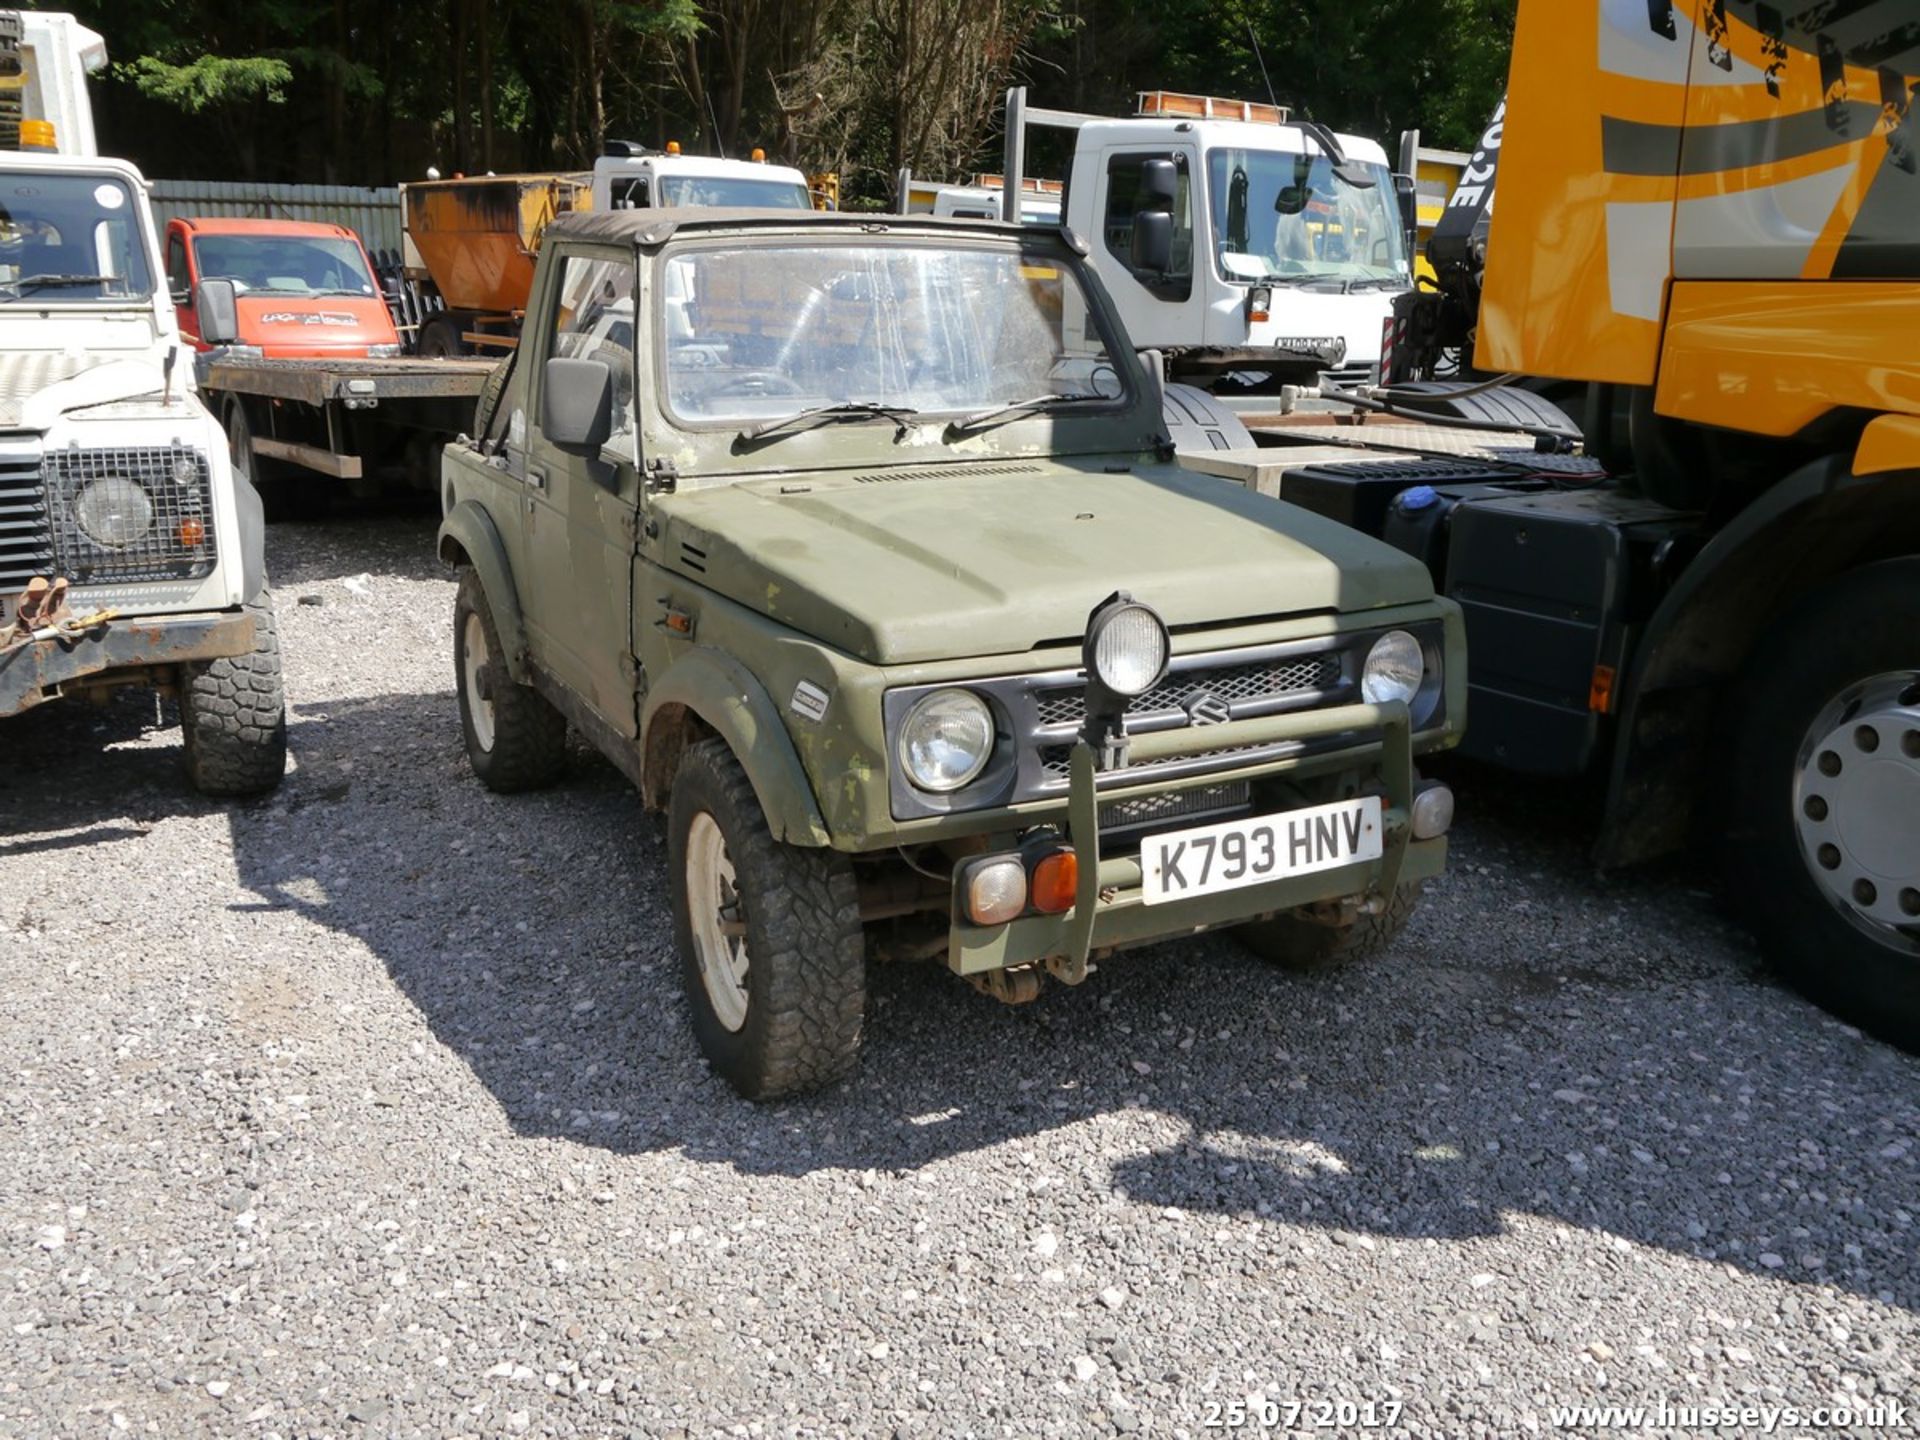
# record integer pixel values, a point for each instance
(1186, 863)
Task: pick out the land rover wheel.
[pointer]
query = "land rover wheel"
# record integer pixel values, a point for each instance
(1822, 854)
(771, 951)
(1297, 944)
(233, 715)
(515, 739)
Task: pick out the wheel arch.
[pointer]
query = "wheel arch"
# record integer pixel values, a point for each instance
(707, 693)
(1819, 523)
(468, 537)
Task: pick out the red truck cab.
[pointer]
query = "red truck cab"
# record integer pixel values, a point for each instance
(304, 290)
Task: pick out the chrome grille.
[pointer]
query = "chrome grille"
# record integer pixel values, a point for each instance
(26, 540)
(178, 543)
(1237, 685)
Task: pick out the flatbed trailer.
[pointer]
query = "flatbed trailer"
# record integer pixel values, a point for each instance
(355, 420)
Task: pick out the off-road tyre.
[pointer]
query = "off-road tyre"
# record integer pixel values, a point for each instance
(806, 978)
(1866, 624)
(527, 748)
(233, 715)
(1295, 944)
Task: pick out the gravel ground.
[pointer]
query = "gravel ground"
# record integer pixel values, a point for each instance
(370, 1109)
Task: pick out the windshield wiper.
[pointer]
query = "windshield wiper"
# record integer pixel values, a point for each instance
(901, 415)
(1017, 407)
(48, 282)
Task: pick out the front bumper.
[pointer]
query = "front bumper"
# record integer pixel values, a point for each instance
(1108, 911)
(37, 669)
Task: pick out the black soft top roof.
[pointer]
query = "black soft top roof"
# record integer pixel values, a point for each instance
(656, 227)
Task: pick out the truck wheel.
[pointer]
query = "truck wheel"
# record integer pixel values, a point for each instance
(233, 715)
(515, 739)
(1822, 853)
(440, 338)
(771, 951)
(1295, 944)
(284, 493)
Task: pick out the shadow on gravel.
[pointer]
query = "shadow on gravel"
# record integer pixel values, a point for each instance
(1542, 1043)
(75, 774)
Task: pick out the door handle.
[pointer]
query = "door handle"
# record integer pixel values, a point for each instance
(536, 477)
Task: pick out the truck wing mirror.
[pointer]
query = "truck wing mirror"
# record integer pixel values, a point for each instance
(576, 404)
(1152, 242)
(1159, 185)
(1405, 191)
(216, 309)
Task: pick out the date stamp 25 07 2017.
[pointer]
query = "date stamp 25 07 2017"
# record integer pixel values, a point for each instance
(1260, 1412)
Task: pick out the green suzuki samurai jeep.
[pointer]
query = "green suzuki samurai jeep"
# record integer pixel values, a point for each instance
(858, 546)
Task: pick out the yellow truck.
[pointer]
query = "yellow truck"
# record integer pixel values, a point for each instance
(1708, 223)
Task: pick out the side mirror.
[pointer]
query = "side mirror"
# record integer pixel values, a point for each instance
(1408, 194)
(216, 309)
(1152, 242)
(1159, 185)
(576, 404)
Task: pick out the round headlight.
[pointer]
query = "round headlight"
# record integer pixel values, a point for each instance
(947, 740)
(1395, 667)
(114, 512)
(1127, 648)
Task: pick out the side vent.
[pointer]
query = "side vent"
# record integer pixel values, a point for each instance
(693, 557)
(944, 472)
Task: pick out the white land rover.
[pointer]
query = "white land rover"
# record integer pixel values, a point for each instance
(129, 555)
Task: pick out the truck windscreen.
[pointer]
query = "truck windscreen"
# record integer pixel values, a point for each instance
(1279, 215)
(729, 190)
(284, 264)
(70, 238)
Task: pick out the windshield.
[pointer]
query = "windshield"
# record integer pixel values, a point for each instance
(284, 264)
(732, 191)
(762, 331)
(1278, 215)
(71, 237)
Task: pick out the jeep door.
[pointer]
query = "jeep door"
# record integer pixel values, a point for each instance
(580, 509)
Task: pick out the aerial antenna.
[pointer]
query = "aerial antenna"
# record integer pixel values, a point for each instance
(714, 115)
(1272, 99)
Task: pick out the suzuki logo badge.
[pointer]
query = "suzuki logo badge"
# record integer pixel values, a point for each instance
(1207, 708)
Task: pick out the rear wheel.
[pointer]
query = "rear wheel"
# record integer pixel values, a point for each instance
(1296, 944)
(515, 739)
(440, 338)
(286, 491)
(771, 952)
(1822, 852)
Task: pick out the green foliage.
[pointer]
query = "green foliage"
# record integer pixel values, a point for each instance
(209, 80)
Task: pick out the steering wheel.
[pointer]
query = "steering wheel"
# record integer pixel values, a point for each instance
(760, 382)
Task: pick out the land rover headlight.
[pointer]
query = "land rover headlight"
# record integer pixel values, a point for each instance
(115, 512)
(1395, 667)
(1126, 647)
(946, 740)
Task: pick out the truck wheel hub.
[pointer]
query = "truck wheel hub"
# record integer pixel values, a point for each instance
(1857, 802)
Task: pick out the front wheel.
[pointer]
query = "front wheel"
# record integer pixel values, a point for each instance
(1822, 853)
(515, 739)
(233, 715)
(771, 951)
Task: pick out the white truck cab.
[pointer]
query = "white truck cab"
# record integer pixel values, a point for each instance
(1281, 244)
(629, 176)
(128, 554)
(982, 198)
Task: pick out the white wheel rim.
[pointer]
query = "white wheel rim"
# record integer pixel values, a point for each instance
(1856, 806)
(718, 922)
(474, 658)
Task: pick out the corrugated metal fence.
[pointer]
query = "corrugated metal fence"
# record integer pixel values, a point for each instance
(374, 213)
